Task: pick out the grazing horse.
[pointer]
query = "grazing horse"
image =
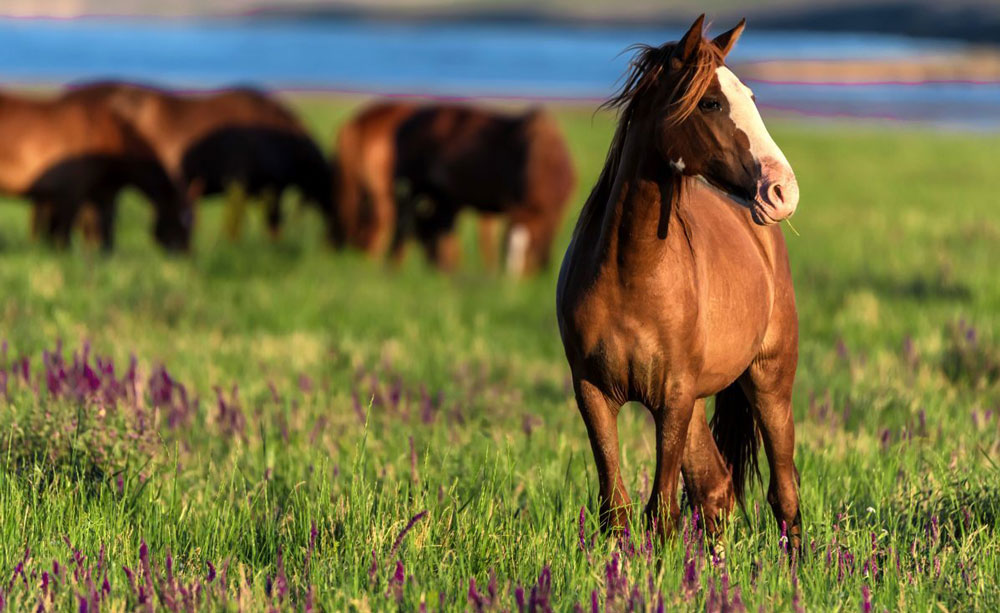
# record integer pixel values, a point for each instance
(363, 166)
(233, 139)
(449, 157)
(676, 286)
(65, 154)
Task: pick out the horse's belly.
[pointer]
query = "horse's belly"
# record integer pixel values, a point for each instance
(734, 323)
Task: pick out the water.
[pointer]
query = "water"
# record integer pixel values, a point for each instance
(494, 60)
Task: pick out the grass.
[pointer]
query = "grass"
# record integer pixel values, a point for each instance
(351, 437)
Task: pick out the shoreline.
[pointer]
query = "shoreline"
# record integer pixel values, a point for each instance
(973, 21)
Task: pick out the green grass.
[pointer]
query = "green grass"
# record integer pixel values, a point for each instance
(897, 407)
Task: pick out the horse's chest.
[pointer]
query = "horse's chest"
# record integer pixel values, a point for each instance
(695, 326)
(636, 338)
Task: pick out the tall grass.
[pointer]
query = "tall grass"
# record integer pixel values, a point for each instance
(307, 430)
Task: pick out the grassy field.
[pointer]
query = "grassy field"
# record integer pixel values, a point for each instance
(308, 430)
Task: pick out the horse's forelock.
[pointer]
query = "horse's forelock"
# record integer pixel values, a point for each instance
(649, 64)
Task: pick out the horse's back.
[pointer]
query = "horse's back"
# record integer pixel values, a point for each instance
(476, 157)
(39, 135)
(551, 176)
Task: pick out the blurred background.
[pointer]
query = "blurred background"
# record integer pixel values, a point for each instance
(917, 60)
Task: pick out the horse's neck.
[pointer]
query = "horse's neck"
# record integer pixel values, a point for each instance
(640, 209)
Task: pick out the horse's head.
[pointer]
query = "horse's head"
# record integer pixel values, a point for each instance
(706, 124)
(174, 221)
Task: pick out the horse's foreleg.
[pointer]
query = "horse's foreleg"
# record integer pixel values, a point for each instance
(671, 434)
(61, 222)
(106, 213)
(488, 248)
(601, 418)
(236, 205)
(707, 481)
(383, 221)
(273, 217)
(41, 220)
(773, 405)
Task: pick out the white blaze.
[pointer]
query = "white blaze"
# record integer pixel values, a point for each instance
(743, 112)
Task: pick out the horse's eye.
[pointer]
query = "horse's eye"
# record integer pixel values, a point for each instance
(709, 105)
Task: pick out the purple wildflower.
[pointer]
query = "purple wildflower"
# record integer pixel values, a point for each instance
(402, 534)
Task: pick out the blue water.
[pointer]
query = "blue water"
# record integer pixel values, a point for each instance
(529, 60)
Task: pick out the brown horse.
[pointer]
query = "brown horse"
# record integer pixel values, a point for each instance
(449, 157)
(216, 141)
(365, 199)
(676, 286)
(64, 154)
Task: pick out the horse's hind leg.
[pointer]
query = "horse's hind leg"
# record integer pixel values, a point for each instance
(769, 389)
(601, 418)
(707, 481)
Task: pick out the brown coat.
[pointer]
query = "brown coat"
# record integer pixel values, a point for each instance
(64, 153)
(213, 140)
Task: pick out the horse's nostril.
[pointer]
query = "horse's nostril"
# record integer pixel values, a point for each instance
(777, 193)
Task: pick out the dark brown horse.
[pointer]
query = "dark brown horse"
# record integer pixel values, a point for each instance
(363, 166)
(213, 142)
(676, 287)
(65, 154)
(449, 157)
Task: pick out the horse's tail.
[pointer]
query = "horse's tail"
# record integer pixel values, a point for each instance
(734, 427)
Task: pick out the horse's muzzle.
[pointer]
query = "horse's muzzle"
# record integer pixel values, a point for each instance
(777, 193)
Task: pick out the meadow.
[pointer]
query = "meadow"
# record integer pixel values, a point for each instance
(274, 425)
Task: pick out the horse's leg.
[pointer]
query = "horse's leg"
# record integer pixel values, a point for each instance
(273, 217)
(768, 386)
(236, 204)
(517, 245)
(41, 220)
(707, 481)
(383, 219)
(529, 240)
(89, 223)
(107, 211)
(438, 236)
(488, 248)
(445, 250)
(61, 222)
(671, 434)
(600, 415)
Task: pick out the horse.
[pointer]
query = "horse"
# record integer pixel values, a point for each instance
(238, 140)
(676, 286)
(449, 157)
(363, 166)
(66, 154)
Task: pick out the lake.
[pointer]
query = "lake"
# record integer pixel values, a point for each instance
(456, 59)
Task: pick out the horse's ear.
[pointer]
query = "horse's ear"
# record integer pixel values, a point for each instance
(727, 40)
(689, 43)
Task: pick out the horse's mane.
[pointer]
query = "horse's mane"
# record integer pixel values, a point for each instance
(645, 70)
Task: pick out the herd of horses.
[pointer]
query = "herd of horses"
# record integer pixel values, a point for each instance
(675, 286)
(400, 170)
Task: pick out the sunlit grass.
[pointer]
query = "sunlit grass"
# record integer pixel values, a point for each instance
(355, 397)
